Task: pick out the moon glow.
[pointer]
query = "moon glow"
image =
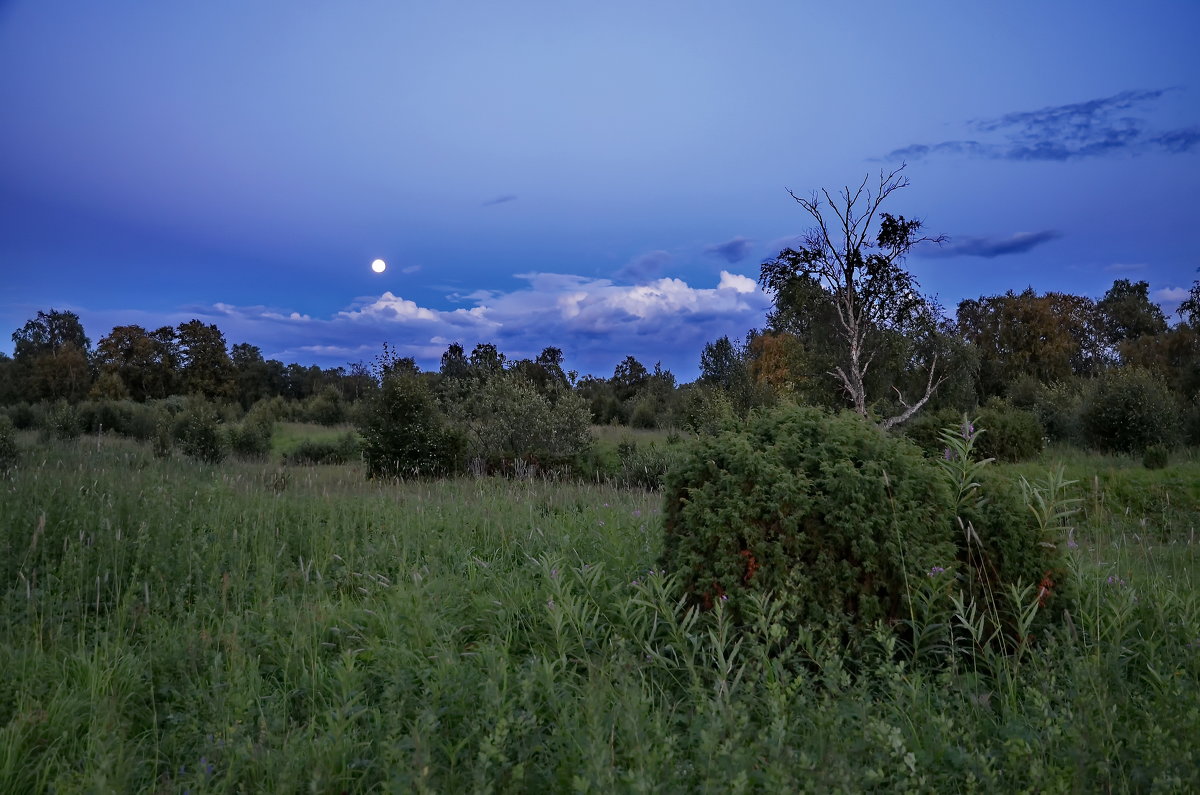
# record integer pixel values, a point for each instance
(379, 266)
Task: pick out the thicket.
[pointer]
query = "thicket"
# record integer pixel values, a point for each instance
(343, 449)
(10, 453)
(845, 524)
(404, 431)
(1129, 409)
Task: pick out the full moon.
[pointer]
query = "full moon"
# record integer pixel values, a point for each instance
(379, 266)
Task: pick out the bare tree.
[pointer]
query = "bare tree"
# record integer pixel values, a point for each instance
(855, 253)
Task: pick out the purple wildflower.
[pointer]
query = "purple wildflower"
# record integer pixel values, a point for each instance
(936, 570)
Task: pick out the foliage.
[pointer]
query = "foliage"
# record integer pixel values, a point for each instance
(854, 258)
(62, 421)
(648, 465)
(1127, 312)
(1127, 410)
(404, 432)
(1157, 456)
(1012, 434)
(341, 450)
(10, 451)
(831, 515)
(251, 438)
(1049, 337)
(1008, 548)
(198, 431)
(508, 420)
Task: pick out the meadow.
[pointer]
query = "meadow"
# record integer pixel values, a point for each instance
(170, 626)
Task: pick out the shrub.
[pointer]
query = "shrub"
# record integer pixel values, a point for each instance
(508, 420)
(1156, 457)
(325, 451)
(10, 453)
(1012, 434)
(832, 515)
(404, 431)
(1058, 407)
(1128, 410)
(926, 427)
(198, 432)
(252, 437)
(26, 417)
(325, 408)
(62, 421)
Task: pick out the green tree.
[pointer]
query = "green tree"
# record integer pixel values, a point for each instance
(144, 361)
(1049, 337)
(207, 369)
(855, 255)
(51, 351)
(250, 374)
(1126, 313)
(1189, 310)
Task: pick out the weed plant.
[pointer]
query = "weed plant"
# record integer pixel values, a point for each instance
(168, 625)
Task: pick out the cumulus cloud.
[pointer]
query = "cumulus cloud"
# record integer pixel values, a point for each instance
(645, 266)
(597, 322)
(732, 251)
(1172, 295)
(990, 247)
(1094, 128)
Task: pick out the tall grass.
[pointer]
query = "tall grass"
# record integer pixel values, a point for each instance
(170, 626)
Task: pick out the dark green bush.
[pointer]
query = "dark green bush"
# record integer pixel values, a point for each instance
(10, 453)
(251, 438)
(404, 432)
(1156, 456)
(1129, 409)
(199, 434)
(1059, 407)
(26, 417)
(341, 450)
(925, 428)
(833, 516)
(1011, 434)
(62, 421)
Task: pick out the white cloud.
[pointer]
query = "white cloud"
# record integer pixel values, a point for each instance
(1170, 294)
(596, 322)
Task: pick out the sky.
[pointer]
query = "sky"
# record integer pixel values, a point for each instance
(601, 177)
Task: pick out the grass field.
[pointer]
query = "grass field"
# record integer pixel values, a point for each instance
(167, 626)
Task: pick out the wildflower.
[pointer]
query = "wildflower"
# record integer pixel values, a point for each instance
(724, 597)
(1071, 542)
(636, 513)
(554, 574)
(550, 603)
(949, 454)
(1115, 580)
(601, 523)
(936, 570)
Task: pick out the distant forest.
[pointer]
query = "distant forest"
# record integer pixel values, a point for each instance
(1045, 354)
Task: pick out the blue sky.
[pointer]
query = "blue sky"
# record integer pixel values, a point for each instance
(603, 177)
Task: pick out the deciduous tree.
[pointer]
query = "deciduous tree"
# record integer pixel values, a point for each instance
(855, 255)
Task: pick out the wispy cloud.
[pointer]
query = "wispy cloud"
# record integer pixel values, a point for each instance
(1095, 128)
(990, 247)
(732, 251)
(645, 266)
(508, 197)
(1123, 267)
(596, 322)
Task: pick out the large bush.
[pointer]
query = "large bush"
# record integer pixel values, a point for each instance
(835, 517)
(1129, 409)
(1010, 433)
(404, 432)
(198, 431)
(507, 420)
